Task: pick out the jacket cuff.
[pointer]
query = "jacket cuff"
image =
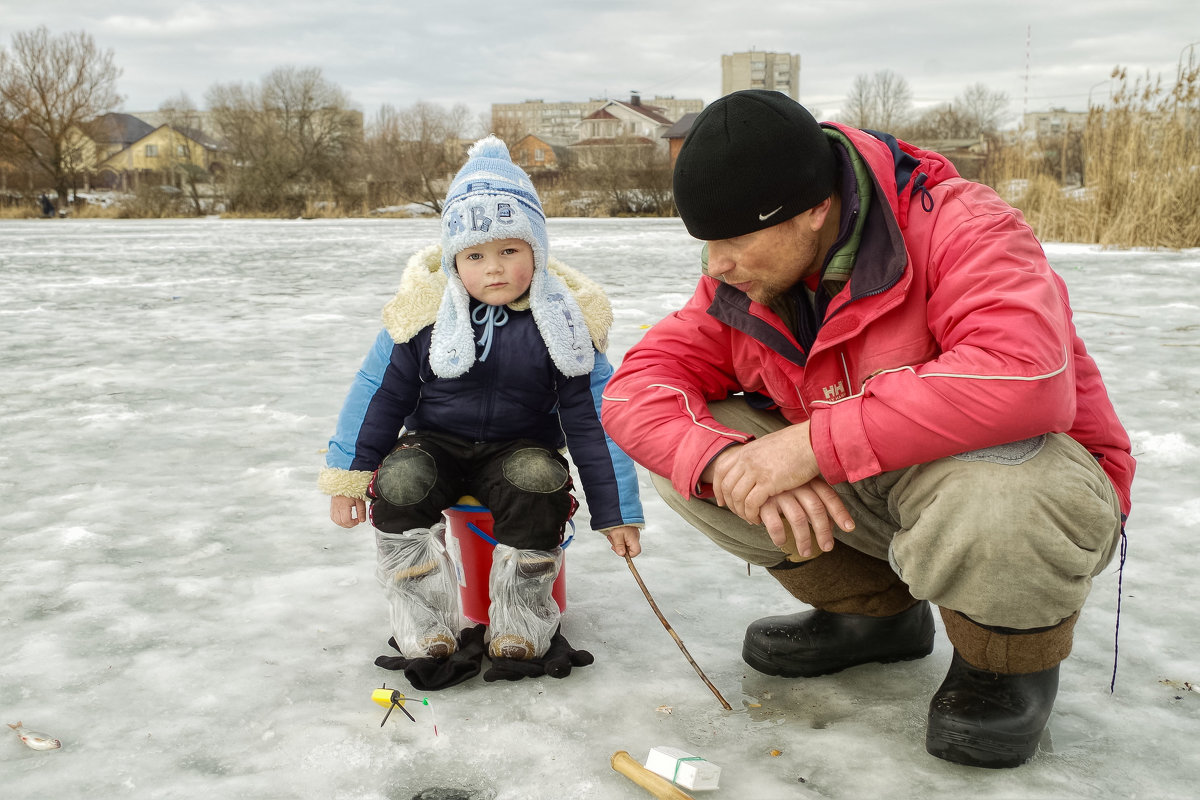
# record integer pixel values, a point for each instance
(344, 482)
(822, 444)
(688, 483)
(606, 531)
(851, 458)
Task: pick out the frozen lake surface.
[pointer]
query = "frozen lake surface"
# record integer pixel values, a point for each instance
(176, 607)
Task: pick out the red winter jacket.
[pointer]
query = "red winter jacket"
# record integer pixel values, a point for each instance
(952, 334)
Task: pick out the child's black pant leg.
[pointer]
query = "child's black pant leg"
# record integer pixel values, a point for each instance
(423, 475)
(528, 489)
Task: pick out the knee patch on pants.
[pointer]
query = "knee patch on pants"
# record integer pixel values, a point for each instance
(406, 476)
(533, 470)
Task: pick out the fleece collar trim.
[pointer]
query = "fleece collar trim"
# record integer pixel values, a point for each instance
(571, 298)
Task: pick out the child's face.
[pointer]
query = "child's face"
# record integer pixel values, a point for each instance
(496, 272)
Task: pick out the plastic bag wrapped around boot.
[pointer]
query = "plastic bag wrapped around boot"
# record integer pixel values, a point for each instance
(523, 613)
(421, 586)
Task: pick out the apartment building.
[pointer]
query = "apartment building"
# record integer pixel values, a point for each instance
(761, 70)
(1054, 122)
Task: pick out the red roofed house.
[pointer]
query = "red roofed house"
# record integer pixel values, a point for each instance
(617, 124)
(534, 154)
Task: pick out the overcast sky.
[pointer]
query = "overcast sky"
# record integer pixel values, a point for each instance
(1042, 54)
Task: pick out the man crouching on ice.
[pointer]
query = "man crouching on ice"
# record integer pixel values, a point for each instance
(879, 350)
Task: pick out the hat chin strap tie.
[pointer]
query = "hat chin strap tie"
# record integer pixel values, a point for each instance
(491, 317)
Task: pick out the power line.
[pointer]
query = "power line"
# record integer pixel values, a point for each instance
(668, 82)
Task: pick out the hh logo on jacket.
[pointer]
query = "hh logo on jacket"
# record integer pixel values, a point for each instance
(835, 391)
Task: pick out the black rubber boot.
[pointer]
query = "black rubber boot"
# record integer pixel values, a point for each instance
(989, 719)
(820, 642)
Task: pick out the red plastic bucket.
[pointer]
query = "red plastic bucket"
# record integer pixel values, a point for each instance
(471, 544)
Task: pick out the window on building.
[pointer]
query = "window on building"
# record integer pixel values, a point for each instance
(539, 155)
(182, 151)
(151, 151)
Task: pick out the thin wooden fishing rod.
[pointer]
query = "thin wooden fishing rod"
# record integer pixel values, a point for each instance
(674, 635)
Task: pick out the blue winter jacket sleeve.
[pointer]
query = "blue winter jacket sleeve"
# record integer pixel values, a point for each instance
(384, 392)
(609, 476)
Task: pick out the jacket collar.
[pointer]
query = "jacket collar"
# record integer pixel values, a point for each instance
(870, 251)
(422, 284)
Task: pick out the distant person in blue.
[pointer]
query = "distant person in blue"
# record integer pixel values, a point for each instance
(47, 206)
(490, 361)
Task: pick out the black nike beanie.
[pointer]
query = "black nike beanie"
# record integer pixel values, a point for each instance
(752, 159)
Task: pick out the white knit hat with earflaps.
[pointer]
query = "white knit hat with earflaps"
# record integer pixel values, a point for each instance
(492, 198)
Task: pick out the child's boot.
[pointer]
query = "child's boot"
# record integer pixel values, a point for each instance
(419, 581)
(523, 614)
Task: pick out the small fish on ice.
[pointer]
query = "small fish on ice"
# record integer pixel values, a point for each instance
(38, 741)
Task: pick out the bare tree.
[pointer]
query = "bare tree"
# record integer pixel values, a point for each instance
(859, 103)
(290, 139)
(982, 108)
(939, 122)
(185, 167)
(624, 176)
(412, 152)
(50, 87)
(10, 158)
(509, 130)
(882, 101)
(974, 114)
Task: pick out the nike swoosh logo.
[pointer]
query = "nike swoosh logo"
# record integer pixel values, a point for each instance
(762, 217)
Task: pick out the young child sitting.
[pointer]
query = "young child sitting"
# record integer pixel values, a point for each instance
(490, 361)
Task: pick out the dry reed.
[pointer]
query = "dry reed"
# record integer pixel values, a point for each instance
(1140, 164)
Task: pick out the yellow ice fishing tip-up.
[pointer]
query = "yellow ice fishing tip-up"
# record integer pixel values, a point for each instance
(392, 699)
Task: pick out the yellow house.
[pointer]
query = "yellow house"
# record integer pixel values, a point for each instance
(163, 151)
(110, 133)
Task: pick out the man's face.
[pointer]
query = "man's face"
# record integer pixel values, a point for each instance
(767, 263)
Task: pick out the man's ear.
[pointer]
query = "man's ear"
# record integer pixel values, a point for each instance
(819, 213)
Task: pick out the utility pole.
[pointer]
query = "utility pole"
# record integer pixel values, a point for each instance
(1025, 100)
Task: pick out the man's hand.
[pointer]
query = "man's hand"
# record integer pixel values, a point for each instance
(776, 478)
(745, 476)
(347, 511)
(814, 504)
(625, 540)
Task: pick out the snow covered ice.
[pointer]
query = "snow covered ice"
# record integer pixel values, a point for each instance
(176, 607)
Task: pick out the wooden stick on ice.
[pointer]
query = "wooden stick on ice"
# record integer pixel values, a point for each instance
(656, 785)
(674, 635)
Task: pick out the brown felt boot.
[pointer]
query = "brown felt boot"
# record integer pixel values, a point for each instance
(846, 581)
(863, 613)
(523, 611)
(992, 707)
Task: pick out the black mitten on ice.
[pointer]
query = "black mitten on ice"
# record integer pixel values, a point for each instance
(431, 674)
(556, 663)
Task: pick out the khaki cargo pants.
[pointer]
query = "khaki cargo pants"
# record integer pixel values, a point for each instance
(1010, 536)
